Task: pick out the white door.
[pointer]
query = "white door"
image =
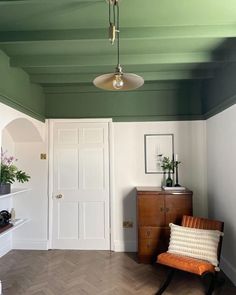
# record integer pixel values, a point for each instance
(80, 186)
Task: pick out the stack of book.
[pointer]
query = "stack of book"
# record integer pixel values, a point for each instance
(174, 188)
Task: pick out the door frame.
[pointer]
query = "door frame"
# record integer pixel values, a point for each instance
(51, 123)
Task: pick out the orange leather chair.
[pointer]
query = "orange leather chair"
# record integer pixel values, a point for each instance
(196, 266)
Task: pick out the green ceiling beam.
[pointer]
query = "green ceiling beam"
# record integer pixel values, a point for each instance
(165, 32)
(89, 87)
(17, 2)
(128, 68)
(101, 60)
(148, 76)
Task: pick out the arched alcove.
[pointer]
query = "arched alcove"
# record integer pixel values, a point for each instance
(24, 138)
(23, 130)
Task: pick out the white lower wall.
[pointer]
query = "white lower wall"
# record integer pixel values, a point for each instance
(128, 166)
(129, 171)
(221, 162)
(32, 204)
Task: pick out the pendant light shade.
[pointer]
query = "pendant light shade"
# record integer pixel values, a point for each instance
(118, 80)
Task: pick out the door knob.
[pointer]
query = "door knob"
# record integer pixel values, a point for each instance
(60, 196)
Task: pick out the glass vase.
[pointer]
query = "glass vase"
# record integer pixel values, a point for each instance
(169, 181)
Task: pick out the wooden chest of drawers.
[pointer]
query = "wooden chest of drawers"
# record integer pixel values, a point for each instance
(156, 208)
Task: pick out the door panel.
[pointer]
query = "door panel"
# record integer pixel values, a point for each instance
(68, 136)
(67, 165)
(93, 169)
(68, 216)
(93, 214)
(92, 135)
(81, 180)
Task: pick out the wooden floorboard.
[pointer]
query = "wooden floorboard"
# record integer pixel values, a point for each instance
(61, 272)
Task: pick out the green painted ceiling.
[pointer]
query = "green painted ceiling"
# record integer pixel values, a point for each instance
(63, 43)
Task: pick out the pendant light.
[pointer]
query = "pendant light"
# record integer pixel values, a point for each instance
(117, 80)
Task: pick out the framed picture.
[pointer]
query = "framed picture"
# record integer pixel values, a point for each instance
(157, 146)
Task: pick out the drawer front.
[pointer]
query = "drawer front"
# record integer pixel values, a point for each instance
(148, 232)
(176, 206)
(148, 247)
(150, 210)
(152, 247)
(153, 240)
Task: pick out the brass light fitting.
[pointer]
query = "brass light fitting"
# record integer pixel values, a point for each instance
(117, 80)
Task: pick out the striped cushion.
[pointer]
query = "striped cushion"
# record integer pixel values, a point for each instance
(196, 243)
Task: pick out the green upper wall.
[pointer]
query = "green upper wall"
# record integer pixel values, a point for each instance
(219, 93)
(17, 91)
(162, 101)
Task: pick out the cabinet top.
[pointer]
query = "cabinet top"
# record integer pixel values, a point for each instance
(160, 190)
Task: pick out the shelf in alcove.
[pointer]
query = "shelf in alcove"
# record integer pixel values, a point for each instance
(17, 223)
(15, 191)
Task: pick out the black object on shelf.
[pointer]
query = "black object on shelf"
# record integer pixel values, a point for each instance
(5, 217)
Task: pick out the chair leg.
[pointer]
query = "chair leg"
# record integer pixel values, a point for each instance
(219, 281)
(211, 284)
(166, 283)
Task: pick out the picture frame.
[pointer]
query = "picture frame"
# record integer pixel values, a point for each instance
(155, 147)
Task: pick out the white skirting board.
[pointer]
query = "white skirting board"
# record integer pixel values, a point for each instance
(228, 269)
(125, 246)
(30, 244)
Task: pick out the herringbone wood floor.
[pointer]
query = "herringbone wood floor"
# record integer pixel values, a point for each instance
(60, 272)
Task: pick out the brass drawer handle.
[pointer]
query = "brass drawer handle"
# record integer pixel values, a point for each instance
(161, 209)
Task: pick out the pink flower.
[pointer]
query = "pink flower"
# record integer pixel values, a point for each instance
(7, 160)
